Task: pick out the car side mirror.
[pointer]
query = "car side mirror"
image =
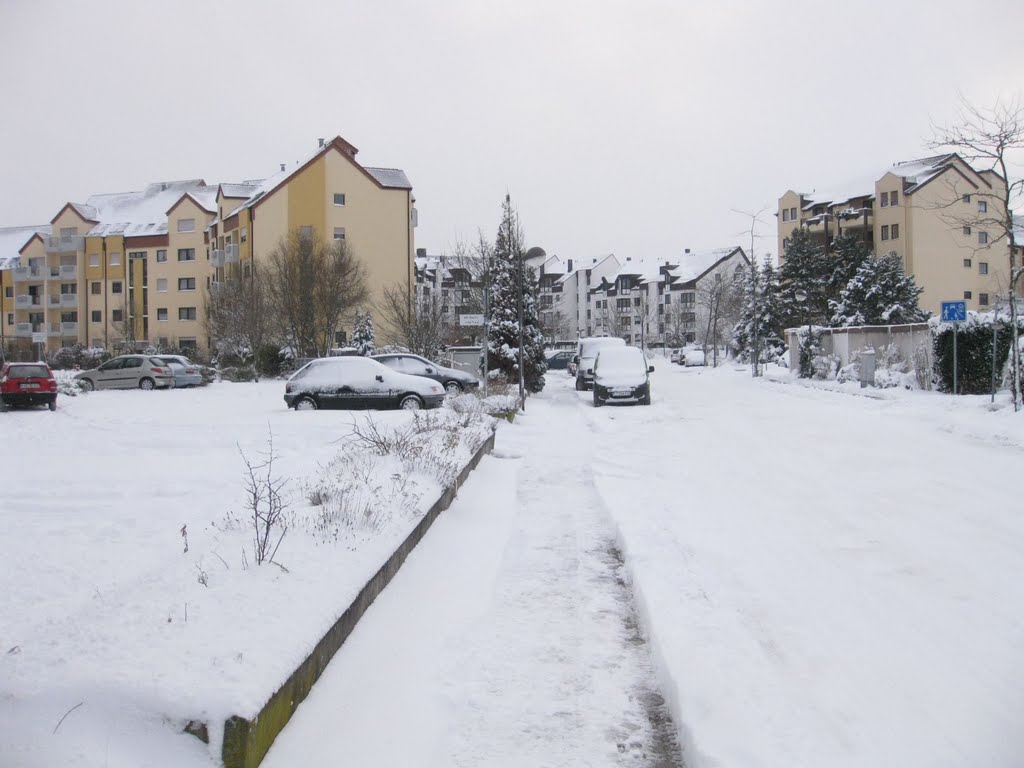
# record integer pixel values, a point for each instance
(379, 377)
(430, 370)
(576, 359)
(650, 369)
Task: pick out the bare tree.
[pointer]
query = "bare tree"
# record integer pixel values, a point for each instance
(752, 294)
(719, 305)
(124, 329)
(237, 316)
(311, 286)
(645, 309)
(992, 138)
(421, 326)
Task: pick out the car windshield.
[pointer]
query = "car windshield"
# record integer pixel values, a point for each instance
(28, 372)
(621, 359)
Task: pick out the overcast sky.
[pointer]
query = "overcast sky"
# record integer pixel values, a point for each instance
(631, 128)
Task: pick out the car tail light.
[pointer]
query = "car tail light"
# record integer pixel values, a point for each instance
(158, 370)
(52, 385)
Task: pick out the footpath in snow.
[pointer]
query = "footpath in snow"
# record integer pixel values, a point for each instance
(509, 638)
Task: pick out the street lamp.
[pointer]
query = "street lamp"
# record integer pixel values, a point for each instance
(801, 296)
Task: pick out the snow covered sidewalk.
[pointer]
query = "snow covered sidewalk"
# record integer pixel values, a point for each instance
(509, 638)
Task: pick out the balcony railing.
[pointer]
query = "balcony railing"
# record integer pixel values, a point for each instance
(63, 272)
(21, 274)
(69, 329)
(854, 219)
(62, 300)
(217, 259)
(27, 301)
(27, 329)
(65, 244)
(231, 254)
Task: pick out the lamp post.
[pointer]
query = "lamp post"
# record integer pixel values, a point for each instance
(801, 296)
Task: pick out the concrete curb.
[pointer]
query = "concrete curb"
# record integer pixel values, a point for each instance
(246, 742)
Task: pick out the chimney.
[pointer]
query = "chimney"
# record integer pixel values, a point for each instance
(687, 250)
(421, 253)
(321, 143)
(568, 265)
(282, 166)
(629, 258)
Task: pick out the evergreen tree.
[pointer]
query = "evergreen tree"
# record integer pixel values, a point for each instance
(503, 336)
(846, 256)
(761, 300)
(743, 333)
(806, 269)
(879, 294)
(363, 337)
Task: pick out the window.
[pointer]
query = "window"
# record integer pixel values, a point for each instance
(117, 315)
(967, 294)
(885, 231)
(188, 344)
(10, 318)
(983, 299)
(68, 232)
(115, 259)
(982, 267)
(161, 314)
(967, 263)
(982, 206)
(339, 198)
(983, 238)
(894, 199)
(785, 243)
(785, 214)
(69, 289)
(94, 259)
(792, 214)
(186, 313)
(636, 301)
(244, 236)
(464, 296)
(967, 198)
(97, 316)
(967, 230)
(136, 255)
(9, 291)
(161, 284)
(186, 283)
(718, 277)
(895, 231)
(339, 233)
(668, 298)
(116, 286)
(69, 317)
(186, 225)
(161, 256)
(186, 254)
(885, 199)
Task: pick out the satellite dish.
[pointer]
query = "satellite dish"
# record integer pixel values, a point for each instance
(536, 253)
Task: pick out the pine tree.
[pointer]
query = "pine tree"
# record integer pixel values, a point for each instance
(761, 299)
(503, 336)
(806, 269)
(363, 337)
(846, 256)
(880, 293)
(743, 333)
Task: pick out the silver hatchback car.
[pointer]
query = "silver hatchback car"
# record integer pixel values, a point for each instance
(128, 372)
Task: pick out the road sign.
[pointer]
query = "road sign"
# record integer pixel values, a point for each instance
(38, 338)
(954, 311)
(471, 319)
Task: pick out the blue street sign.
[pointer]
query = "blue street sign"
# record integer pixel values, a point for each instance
(954, 311)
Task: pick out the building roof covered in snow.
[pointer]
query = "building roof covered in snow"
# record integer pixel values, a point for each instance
(693, 264)
(144, 212)
(13, 239)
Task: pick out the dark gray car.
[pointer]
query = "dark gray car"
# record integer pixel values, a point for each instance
(453, 381)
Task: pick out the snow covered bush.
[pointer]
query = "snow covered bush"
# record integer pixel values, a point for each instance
(974, 351)
(67, 385)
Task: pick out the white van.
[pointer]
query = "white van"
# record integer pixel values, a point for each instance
(586, 354)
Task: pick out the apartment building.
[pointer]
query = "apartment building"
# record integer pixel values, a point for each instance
(132, 269)
(654, 303)
(929, 211)
(565, 295)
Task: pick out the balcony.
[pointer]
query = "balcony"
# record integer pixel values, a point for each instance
(217, 259)
(855, 218)
(30, 274)
(231, 254)
(65, 244)
(27, 329)
(27, 301)
(69, 329)
(62, 300)
(63, 272)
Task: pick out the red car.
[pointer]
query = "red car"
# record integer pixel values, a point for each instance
(27, 384)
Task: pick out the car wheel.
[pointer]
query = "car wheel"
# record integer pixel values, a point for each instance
(598, 402)
(306, 404)
(646, 400)
(410, 403)
(579, 385)
(453, 388)
(52, 406)
(86, 385)
(146, 384)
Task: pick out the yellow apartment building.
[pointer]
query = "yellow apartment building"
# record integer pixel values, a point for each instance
(130, 270)
(926, 211)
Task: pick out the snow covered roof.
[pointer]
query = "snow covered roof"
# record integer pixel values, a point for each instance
(13, 239)
(862, 186)
(240, 190)
(914, 172)
(692, 265)
(142, 213)
(917, 172)
(392, 178)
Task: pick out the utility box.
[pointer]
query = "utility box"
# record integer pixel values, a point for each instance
(867, 368)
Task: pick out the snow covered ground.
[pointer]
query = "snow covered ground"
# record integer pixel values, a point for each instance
(130, 584)
(824, 579)
(810, 575)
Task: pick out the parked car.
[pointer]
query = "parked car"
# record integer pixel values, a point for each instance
(453, 380)
(692, 357)
(586, 354)
(24, 384)
(621, 376)
(186, 373)
(358, 382)
(676, 356)
(558, 359)
(128, 372)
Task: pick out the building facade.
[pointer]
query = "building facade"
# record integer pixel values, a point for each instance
(131, 270)
(935, 213)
